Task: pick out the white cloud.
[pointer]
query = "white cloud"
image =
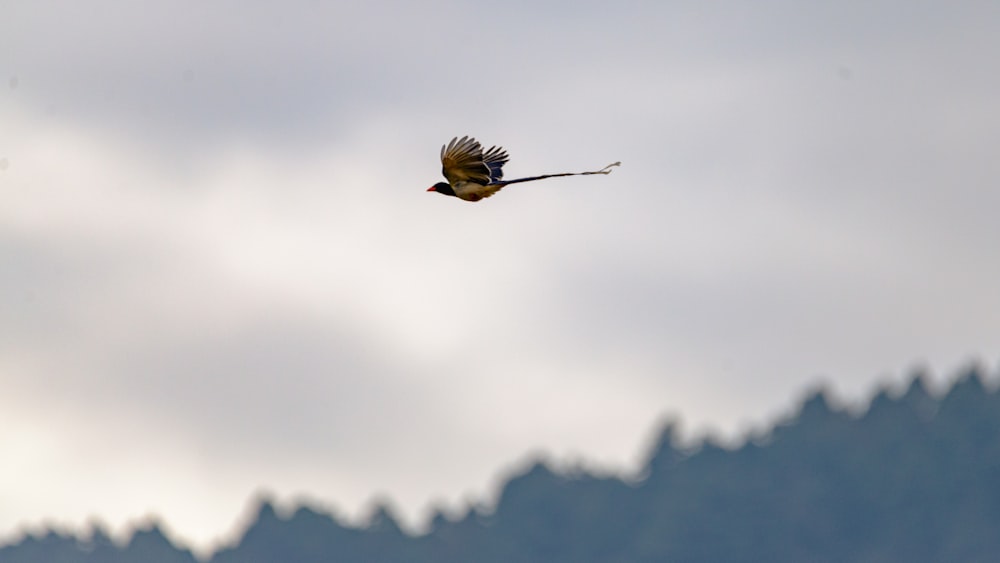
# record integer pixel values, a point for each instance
(222, 272)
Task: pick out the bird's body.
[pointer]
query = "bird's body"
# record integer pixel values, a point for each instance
(473, 174)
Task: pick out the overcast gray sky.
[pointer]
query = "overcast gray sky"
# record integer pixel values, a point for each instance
(220, 272)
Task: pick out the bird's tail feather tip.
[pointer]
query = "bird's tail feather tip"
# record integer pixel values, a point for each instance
(607, 169)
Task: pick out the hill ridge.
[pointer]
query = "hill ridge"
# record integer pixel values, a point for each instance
(822, 483)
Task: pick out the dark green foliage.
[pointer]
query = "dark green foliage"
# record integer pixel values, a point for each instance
(915, 478)
(148, 545)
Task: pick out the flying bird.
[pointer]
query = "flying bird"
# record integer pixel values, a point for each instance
(473, 174)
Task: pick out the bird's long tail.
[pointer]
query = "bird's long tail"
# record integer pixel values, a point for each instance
(605, 170)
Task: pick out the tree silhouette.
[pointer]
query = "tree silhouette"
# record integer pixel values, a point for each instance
(914, 478)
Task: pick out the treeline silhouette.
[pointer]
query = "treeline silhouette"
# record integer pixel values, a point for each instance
(914, 478)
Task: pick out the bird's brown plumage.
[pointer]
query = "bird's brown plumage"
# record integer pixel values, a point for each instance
(462, 161)
(471, 172)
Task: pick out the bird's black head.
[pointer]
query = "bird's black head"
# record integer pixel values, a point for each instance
(442, 188)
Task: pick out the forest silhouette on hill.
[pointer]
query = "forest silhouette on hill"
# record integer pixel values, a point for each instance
(916, 477)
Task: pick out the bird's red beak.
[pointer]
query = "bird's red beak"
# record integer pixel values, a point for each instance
(432, 189)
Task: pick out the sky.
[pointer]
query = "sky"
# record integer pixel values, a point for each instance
(221, 274)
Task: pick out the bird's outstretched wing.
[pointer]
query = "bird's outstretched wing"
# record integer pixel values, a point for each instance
(462, 161)
(495, 158)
